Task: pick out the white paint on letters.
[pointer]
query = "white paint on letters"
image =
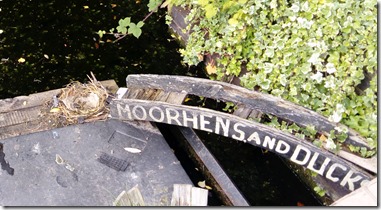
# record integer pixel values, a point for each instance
(174, 117)
(204, 122)
(192, 119)
(122, 110)
(150, 113)
(254, 136)
(241, 136)
(332, 169)
(295, 155)
(322, 167)
(269, 142)
(285, 149)
(135, 113)
(349, 180)
(224, 125)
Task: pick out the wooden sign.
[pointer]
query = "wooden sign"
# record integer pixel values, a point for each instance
(286, 145)
(223, 91)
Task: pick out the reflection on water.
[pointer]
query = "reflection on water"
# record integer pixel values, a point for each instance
(46, 44)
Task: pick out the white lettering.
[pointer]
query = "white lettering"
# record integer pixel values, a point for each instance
(349, 180)
(254, 136)
(295, 155)
(268, 142)
(311, 164)
(332, 169)
(125, 110)
(204, 122)
(225, 126)
(364, 182)
(187, 119)
(150, 113)
(241, 136)
(279, 149)
(142, 111)
(175, 117)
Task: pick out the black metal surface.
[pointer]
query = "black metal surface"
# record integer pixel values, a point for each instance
(113, 162)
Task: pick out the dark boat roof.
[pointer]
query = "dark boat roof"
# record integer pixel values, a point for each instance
(89, 164)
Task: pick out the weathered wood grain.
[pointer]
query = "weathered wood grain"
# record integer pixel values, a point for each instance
(131, 198)
(187, 195)
(252, 99)
(209, 166)
(286, 145)
(223, 186)
(21, 115)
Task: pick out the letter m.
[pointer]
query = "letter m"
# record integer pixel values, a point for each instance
(123, 113)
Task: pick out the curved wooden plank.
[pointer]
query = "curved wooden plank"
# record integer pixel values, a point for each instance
(265, 103)
(324, 163)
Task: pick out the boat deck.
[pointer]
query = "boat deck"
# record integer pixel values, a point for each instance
(94, 163)
(89, 165)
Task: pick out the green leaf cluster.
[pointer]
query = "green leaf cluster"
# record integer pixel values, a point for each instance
(127, 27)
(315, 53)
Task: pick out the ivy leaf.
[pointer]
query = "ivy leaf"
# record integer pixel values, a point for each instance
(140, 24)
(153, 5)
(122, 29)
(101, 33)
(203, 2)
(233, 22)
(134, 30)
(124, 22)
(210, 11)
(265, 84)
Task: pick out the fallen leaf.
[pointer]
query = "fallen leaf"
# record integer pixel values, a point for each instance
(201, 184)
(113, 5)
(200, 57)
(132, 150)
(55, 110)
(85, 7)
(69, 167)
(21, 60)
(323, 138)
(211, 69)
(59, 160)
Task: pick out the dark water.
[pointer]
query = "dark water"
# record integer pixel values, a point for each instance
(57, 39)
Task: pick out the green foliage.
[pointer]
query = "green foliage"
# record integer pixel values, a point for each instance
(125, 27)
(313, 53)
(229, 107)
(128, 27)
(319, 191)
(153, 5)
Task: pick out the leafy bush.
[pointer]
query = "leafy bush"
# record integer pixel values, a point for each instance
(315, 53)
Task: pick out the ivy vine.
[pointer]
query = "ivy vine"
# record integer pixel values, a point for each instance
(320, 54)
(315, 53)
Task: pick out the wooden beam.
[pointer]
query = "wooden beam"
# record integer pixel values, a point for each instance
(209, 166)
(252, 99)
(303, 153)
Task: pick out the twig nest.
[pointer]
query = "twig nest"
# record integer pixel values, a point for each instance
(79, 102)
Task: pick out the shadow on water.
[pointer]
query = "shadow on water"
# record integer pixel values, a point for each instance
(57, 39)
(59, 43)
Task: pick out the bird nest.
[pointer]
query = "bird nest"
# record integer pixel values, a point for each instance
(78, 103)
